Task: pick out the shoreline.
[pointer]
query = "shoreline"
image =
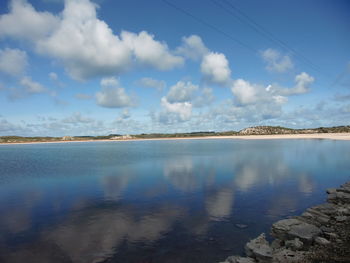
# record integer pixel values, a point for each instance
(320, 234)
(329, 136)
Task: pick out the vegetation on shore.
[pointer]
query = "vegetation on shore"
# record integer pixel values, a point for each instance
(258, 130)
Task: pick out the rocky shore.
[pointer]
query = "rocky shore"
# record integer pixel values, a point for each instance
(320, 234)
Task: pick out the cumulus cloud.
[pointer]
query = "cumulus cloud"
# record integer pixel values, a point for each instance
(150, 52)
(302, 85)
(192, 47)
(181, 92)
(205, 98)
(77, 118)
(215, 68)
(12, 61)
(53, 76)
(112, 94)
(32, 86)
(109, 82)
(250, 93)
(182, 110)
(245, 92)
(86, 45)
(24, 22)
(303, 81)
(152, 83)
(275, 61)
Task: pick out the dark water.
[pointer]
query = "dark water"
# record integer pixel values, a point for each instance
(156, 201)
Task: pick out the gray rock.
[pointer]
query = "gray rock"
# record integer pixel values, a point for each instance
(341, 219)
(322, 241)
(288, 256)
(237, 259)
(331, 236)
(326, 208)
(294, 244)
(293, 228)
(331, 190)
(259, 249)
(326, 229)
(277, 243)
(343, 210)
(332, 198)
(344, 189)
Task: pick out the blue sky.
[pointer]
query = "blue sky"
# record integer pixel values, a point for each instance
(82, 67)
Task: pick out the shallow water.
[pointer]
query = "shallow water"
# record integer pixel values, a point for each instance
(156, 201)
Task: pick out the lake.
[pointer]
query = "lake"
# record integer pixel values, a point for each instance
(156, 201)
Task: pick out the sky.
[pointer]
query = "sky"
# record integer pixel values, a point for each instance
(84, 67)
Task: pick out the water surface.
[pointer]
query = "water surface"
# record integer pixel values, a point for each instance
(156, 201)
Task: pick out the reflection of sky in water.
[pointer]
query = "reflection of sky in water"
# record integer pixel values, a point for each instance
(159, 201)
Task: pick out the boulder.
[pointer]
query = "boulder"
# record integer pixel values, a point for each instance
(288, 256)
(322, 241)
(259, 249)
(288, 229)
(294, 244)
(237, 259)
(331, 190)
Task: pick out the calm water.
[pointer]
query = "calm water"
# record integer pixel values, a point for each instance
(156, 201)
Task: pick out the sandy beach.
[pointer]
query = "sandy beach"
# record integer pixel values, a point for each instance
(329, 136)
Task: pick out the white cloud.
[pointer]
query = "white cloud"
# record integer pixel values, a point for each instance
(150, 52)
(32, 86)
(181, 92)
(205, 98)
(275, 61)
(182, 109)
(125, 114)
(112, 94)
(302, 86)
(53, 76)
(192, 47)
(86, 45)
(303, 81)
(12, 61)
(109, 82)
(152, 83)
(215, 68)
(24, 22)
(245, 92)
(77, 118)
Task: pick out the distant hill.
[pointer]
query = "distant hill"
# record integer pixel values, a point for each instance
(269, 130)
(258, 130)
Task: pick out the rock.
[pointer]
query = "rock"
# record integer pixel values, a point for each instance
(331, 190)
(259, 248)
(344, 188)
(294, 244)
(326, 208)
(277, 243)
(339, 197)
(288, 256)
(236, 259)
(341, 218)
(326, 229)
(343, 210)
(242, 226)
(322, 241)
(332, 236)
(316, 216)
(293, 228)
(332, 198)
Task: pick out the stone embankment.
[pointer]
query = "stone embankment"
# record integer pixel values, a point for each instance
(320, 234)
